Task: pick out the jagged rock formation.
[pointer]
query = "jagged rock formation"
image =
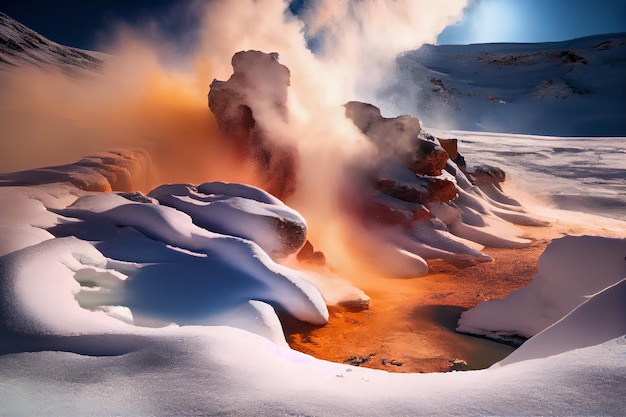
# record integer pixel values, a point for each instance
(399, 144)
(424, 203)
(451, 147)
(257, 91)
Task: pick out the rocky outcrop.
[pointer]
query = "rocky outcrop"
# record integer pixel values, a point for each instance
(399, 139)
(400, 142)
(422, 191)
(245, 108)
(451, 147)
(308, 254)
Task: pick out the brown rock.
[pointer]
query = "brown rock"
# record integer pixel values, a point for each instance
(450, 146)
(427, 190)
(308, 254)
(258, 86)
(441, 191)
(487, 174)
(389, 211)
(429, 158)
(398, 138)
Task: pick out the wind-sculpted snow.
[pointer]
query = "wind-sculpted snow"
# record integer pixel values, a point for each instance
(253, 213)
(583, 174)
(570, 270)
(218, 271)
(121, 170)
(598, 319)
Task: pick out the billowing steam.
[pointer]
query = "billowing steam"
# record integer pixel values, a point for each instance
(151, 96)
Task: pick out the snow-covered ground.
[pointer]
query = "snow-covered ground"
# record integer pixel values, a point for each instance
(571, 88)
(582, 174)
(126, 304)
(75, 342)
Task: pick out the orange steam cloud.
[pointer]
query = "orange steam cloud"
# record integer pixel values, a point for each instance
(148, 97)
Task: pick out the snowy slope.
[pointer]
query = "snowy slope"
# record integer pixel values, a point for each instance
(21, 45)
(572, 88)
(582, 174)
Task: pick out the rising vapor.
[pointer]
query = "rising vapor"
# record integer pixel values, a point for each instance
(150, 96)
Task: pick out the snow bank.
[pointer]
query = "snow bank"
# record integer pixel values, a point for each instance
(570, 270)
(221, 370)
(251, 212)
(74, 308)
(599, 319)
(215, 269)
(39, 284)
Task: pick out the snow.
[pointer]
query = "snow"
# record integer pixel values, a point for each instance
(122, 304)
(581, 174)
(570, 270)
(541, 89)
(259, 217)
(90, 324)
(21, 45)
(225, 370)
(595, 321)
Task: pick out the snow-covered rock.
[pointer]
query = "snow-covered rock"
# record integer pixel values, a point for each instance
(256, 93)
(423, 203)
(253, 214)
(119, 170)
(213, 272)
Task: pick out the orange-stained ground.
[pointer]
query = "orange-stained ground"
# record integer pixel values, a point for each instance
(410, 324)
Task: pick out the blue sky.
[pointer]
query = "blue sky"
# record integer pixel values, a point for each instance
(81, 23)
(535, 21)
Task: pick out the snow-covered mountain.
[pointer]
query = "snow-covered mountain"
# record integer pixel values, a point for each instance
(21, 45)
(571, 88)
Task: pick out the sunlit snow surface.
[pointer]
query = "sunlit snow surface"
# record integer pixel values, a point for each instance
(572, 173)
(70, 346)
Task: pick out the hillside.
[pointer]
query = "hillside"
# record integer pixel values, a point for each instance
(516, 88)
(20, 45)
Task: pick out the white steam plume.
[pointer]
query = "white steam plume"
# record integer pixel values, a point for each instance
(49, 118)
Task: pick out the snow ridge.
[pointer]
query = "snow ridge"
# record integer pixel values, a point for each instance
(21, 45)
(516, 88)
